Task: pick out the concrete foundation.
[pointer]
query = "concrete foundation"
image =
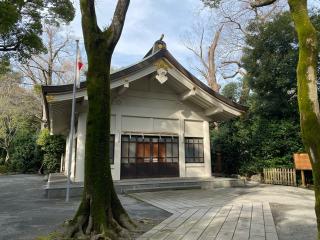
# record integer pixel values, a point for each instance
(56, 186)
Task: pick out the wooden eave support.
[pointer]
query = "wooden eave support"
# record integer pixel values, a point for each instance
(184, 96)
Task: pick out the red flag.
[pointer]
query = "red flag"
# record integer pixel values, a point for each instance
(79, 67)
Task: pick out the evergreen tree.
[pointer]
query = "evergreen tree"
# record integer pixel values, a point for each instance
(21, 24)
(270, 133)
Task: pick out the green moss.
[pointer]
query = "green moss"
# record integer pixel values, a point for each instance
(99, 197)
(52, 236)
(310, 125)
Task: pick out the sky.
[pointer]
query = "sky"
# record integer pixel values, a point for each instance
(146, 20)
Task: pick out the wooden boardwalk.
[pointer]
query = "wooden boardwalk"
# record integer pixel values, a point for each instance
(196, 217)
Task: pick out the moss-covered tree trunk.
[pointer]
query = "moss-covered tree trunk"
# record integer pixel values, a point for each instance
(100, 214)
(307, 91)
(307, 88)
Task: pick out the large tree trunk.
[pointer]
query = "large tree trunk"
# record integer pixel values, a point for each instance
(100, 211)
(212, 71)
(100, 214)
(307, 91)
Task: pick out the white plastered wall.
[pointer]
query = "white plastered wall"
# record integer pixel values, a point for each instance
(199, 129)
(66, 162)
(150, 108)
(81, 139)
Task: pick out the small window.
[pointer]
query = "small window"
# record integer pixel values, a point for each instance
(194, 150)
(111, 149)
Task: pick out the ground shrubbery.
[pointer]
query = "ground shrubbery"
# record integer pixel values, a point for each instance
(249, 145)
(52, 146)
(32, 151)
(25, 156)
(3, 169)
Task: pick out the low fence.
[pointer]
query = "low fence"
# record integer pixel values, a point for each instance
(281, 176)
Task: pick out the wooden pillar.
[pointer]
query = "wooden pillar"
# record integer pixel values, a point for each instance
(303, 178)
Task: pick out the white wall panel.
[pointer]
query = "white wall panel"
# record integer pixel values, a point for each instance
(113, 124)
(166, 125)
(193, 128)
(136, 124)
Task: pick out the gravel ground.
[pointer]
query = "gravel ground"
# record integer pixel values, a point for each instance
(26, 214)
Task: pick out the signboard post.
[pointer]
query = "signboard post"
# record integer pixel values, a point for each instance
(302, 162)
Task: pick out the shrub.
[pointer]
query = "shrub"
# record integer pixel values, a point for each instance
(24, 155)
(3, 169)
(249, 145)
(52, 146)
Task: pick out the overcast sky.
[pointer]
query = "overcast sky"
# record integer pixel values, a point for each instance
(146, 20)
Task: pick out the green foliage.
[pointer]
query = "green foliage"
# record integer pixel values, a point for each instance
(25, 153)
(18, 108)
(3, 169)
(4, 65)
(248, 145)
(232, 91)
(52, 146)
(44, 134)
(270, 59)
(269, 134)
(21, 24)
(53, 236)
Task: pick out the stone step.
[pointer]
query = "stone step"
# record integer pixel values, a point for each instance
(56, 187)
(159, 188)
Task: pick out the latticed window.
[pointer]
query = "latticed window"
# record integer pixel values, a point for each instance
(194, 150)
(139, 149)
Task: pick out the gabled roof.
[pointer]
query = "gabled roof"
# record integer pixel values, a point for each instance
(149, 59)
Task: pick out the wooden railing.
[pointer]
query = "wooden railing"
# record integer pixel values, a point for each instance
(281, 176)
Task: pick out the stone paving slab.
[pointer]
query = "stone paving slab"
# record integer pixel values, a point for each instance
(200, 218)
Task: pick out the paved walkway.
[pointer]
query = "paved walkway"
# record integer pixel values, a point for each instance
(25, 213)
(204, 215)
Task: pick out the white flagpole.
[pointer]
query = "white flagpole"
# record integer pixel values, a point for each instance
(71, 135)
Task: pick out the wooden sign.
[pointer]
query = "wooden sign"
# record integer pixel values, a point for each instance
(302, 161)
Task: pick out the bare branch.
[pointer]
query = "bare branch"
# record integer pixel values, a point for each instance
(231, 76)
(232, 62)
(202, 72)
(63, 45)
(201, 43)
(239, 27)
(198, 54)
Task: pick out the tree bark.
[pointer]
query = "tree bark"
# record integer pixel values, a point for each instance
(100, 214)
(212, 79)
(307, 91)
(6, 160)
